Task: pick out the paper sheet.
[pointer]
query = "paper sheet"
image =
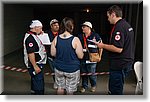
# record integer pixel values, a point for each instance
(92, 41)
(44, 39)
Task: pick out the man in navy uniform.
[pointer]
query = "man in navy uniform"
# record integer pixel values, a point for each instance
(121, 49)
(35, 57)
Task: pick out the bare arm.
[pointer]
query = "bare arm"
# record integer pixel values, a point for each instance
(111, 48)
(78, 47)
(33, 62)
(53, 48)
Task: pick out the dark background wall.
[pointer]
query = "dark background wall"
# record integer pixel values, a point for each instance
(17, 18)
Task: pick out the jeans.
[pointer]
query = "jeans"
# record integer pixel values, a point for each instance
(88, 68)
(37, 81)
(116, 80)
(51, 64)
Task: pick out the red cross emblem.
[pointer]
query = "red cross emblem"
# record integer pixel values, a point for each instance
(117, 37)
(30, 44)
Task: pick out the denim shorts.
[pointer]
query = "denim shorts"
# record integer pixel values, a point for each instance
(68, 81)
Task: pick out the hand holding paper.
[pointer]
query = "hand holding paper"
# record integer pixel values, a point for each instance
(99, 44)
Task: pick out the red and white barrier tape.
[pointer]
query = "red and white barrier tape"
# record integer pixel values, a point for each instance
(23, 70)
(14, 69)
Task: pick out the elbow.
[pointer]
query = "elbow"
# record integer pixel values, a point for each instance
(53, 54)
(81, 56)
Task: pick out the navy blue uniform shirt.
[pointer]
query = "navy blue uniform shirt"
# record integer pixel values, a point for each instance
(90, 45)
(122, 37)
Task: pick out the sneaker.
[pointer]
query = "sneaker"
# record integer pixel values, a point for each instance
(93, 89)
(82, 90)
(32, 92)
(109, 93)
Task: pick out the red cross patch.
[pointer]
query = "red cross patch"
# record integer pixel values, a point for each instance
(117, 37)
(30, 44)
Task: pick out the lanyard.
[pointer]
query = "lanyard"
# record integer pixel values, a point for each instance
(85, 43)
(112, 32)
(85, 39)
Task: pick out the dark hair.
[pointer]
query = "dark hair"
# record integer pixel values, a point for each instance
(115, 9)
(66, 25)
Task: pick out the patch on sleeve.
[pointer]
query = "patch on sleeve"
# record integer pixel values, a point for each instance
(117, 37)
(30, 44)
(130, 29)
(117, 32)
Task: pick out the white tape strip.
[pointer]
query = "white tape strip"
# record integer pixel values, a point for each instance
(13, 68)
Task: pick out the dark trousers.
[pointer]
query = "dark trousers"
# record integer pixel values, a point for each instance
(88, 68)
(51, 64)
(37, 81)
(116, 80)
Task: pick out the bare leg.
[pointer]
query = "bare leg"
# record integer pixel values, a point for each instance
(60, 91)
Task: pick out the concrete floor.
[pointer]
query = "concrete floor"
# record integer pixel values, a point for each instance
(16, 82)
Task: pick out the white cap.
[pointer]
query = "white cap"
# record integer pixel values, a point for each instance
(35, 23)
(87, 24)
(53, 21)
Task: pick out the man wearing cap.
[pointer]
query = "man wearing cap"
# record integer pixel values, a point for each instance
(52, 33)
(86, 65)
(35, 57)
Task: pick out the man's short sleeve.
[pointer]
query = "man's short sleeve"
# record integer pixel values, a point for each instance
(31, 45)
(118, 37)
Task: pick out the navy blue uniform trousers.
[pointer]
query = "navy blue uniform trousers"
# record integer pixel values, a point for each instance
(116, 80)
(37, 81)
